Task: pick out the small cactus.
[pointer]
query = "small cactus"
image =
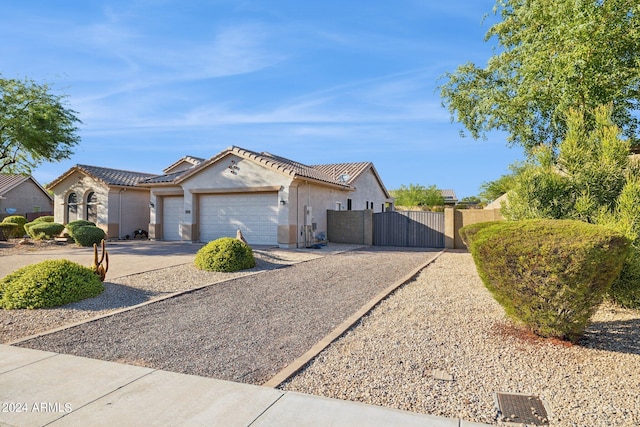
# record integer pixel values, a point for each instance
(98, 267)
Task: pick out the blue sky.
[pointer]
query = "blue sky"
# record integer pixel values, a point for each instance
(317, 82)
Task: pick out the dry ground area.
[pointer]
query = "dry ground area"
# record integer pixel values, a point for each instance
(446, 320)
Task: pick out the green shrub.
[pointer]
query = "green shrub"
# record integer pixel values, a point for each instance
(87, 235)
(7, 230)
(20, 221)
(49, 283)
(468, 232)
(43, 230)
(45, 218)
(549, 274)
(225, 254)
(71, 227)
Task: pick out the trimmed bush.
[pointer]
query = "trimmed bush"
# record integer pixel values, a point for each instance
(76, 224)
(43, 229)
(20, 221)
(468, 232)
(45, 218)
(87, 235)
(225, 254)
(7, 230)
(549, 274)
(49, 283)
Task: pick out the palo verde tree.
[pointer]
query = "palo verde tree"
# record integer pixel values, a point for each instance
(552, 56)
(35, 126)
(417, 195)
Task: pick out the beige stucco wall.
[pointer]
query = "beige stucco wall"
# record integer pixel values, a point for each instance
(455, 219)
(128, 210)
(368, 190)
(250, 176)
(27, 197)
(129, 205)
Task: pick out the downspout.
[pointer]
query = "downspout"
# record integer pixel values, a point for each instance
(297, 215)
(122, 190)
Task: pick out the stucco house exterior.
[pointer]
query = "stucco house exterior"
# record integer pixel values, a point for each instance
(22, 195)
(271, 199)
(108, 197)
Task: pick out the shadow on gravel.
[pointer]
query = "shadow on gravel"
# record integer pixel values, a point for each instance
(621, 336)
(113, 297)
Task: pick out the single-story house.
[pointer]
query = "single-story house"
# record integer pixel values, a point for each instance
(23, 195)
(271, 199)
(108, 197)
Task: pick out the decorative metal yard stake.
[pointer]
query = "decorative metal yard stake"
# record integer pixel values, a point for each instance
(98, 267)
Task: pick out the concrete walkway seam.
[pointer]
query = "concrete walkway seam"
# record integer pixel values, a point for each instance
(301, 361)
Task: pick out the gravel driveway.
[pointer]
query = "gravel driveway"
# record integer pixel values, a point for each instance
(245, 329)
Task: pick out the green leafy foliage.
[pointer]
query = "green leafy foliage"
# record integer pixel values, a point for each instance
(43, 230)
(44, 218)
(87, 235)
(550, 275)
(20, 221)
(552, 56)
(591, 178)
(417, 195)
(77, 224)
(225, 254)
(7, 230)
(35, 126)
(49, 283)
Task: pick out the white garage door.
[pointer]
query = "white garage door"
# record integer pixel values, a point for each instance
(173, 208)
(255, 214)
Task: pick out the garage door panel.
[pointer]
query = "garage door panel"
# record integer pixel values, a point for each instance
(173, 216)
(255, 214)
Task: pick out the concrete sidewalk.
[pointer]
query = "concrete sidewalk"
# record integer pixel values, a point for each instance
(40, 388)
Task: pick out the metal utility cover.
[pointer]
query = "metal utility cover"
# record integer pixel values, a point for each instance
(521, 410)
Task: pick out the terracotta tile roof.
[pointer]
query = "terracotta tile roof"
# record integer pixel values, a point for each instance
(109, 176)
(344, 172)
(115, 176)
(194, 161)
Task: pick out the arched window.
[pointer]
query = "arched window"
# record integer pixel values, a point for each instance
(92, 207)
(72, 207)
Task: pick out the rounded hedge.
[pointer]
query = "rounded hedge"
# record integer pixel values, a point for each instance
(49, 283)
(44, 218)
(550, 275)
(43, 229)
(20, 221)
(73, 225)
(7, 230)
(87, 235)
(225, 254)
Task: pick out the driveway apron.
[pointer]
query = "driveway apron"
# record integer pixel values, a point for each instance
(246, 329)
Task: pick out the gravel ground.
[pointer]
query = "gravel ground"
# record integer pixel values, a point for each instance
(446, 320)
(245, 329)
(130, 290)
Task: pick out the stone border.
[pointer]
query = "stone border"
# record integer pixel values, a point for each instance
(301, 361)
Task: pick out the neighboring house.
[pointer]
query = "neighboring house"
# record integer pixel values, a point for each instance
(108, 197)
(450, 198)
(271, 199)
(22, 195)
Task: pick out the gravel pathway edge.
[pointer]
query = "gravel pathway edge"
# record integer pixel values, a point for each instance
(342, 328)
